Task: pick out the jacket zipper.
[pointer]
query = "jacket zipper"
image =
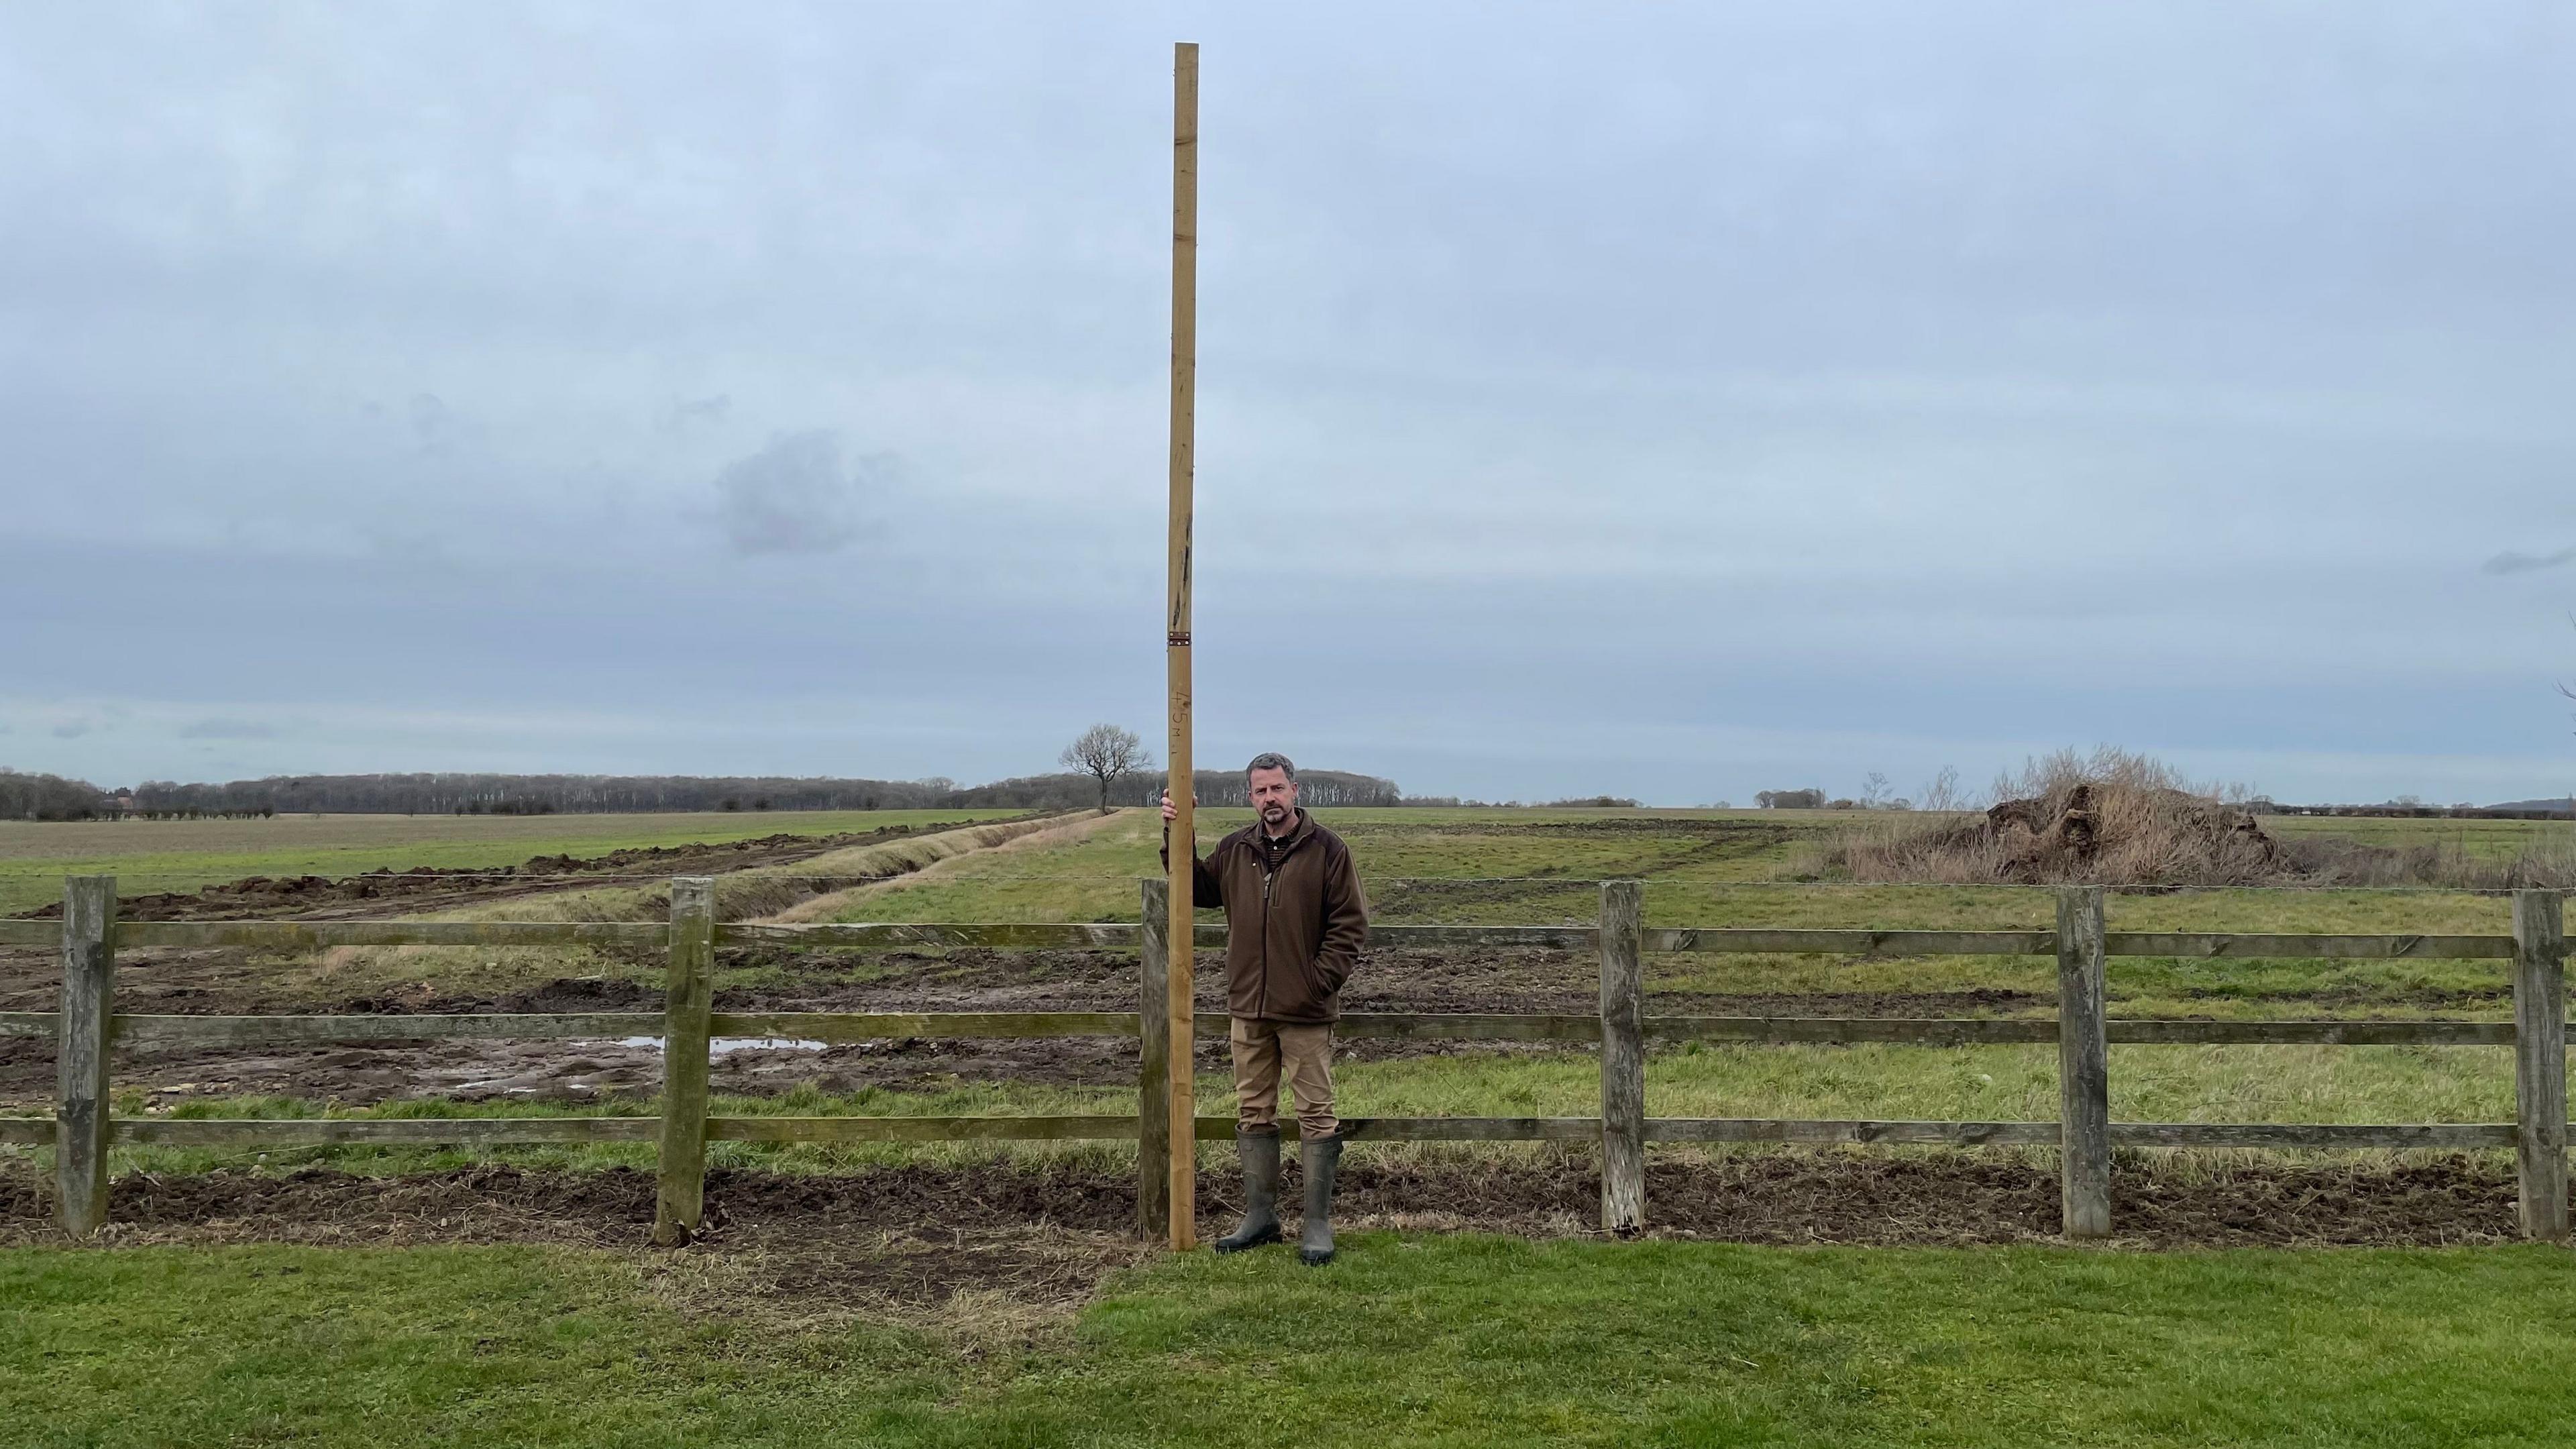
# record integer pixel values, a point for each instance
(1269, 875)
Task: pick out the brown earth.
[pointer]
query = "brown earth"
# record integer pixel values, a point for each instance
(966, 980)
(406, 892)
(1051, 1231)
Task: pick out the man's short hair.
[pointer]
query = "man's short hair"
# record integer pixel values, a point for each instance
(1271, 760)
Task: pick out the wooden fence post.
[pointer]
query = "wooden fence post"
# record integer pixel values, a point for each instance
(2540, 1061)
(1623, 1058)
(681, 1202)
(1154, 1065)
(80, 1053)
(2083, 1066)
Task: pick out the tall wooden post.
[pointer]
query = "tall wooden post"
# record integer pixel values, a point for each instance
(690, 996)
(2540, 1062)
(1154, 1066)
(1178, 985)
(1623, 1058)
(80, 1053)
(2083, 1066)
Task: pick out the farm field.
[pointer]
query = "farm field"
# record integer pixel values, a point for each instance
(971, 1293)
(1701, 868)
(185, 855)
(1412, 1339)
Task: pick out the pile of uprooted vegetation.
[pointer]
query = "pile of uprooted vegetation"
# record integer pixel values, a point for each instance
(2115, 818)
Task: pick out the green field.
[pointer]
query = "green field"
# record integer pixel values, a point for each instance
(186, 855)
(1701, 868)
(1444, 1340)
(1414, 1337)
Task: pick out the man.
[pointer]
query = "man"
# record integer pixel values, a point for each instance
(1295, 921)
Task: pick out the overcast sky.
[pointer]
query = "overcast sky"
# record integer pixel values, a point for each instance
(1674, 401)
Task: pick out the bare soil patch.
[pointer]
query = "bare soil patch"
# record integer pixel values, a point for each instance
(899, 1237)
(966, 980)
(1451, 980)
(920, 1233)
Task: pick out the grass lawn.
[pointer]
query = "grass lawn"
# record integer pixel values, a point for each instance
(1411, 1339)
(184, 855)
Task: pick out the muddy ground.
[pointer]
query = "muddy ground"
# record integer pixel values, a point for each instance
(217, 982)
(966, 980)
(424, 889)
(1049, 1233)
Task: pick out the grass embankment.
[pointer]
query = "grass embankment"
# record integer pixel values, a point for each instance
(1445, 1340)
(739, 895)
(187, 855)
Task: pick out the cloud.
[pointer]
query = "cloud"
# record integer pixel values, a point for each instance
(2511, 562)
(676, 415)
(434, 425)
(72, 729)
(229, 729)
(794, 496)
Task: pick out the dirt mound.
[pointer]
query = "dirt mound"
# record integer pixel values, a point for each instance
(2110, 832)
(2113, 818)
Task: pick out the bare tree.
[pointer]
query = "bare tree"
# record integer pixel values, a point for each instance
(1873, 791)
(1942, 792)
(1107, 754)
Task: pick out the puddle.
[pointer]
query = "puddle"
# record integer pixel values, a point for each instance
(720, 1046)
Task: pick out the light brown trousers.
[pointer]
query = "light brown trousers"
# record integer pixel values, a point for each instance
(1261, 1050)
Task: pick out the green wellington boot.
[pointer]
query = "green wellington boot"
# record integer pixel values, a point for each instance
(1260, 1154)
(1323, 1158)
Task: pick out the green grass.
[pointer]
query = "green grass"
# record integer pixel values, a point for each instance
(1971, 1083)
(185, 855)
(1541, 866)
(1408, 1340)
(1417, 1339)
(1441, 866)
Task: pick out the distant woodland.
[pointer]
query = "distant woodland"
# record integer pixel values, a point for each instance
(50, 797)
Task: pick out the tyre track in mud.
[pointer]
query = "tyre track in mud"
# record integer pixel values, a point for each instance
(1478, 980)
(387, 892)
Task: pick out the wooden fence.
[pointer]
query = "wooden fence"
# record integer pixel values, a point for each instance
(87, 1025)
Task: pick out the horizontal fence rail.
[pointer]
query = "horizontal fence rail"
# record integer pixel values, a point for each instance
(1123, 936)
(850, 1026)
(88, 936)
(263, 1132)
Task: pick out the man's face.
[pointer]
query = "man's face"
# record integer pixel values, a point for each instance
(1275, 796)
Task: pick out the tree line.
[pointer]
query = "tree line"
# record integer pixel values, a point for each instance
(51, 797)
